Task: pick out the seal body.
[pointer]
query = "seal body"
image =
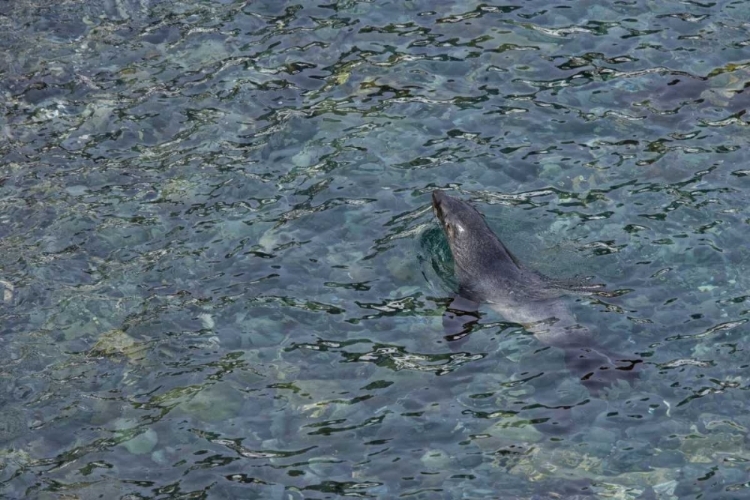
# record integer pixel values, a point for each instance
(487, 272)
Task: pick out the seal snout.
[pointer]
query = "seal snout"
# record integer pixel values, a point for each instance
(437, 200)
(436, 195)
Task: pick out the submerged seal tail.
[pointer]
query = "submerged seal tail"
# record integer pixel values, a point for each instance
(487, 272)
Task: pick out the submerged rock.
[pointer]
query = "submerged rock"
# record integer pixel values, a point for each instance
(214, 403)
(117, 342)
(142, 443)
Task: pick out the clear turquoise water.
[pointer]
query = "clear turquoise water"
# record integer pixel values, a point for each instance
(221, 277)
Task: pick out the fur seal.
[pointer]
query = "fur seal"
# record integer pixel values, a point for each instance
(487, 272)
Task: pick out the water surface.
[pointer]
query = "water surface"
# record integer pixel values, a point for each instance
(221, 278)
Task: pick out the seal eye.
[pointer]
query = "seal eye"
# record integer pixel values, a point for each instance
(449, 229)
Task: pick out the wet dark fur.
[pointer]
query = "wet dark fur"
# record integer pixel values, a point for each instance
(488, 272)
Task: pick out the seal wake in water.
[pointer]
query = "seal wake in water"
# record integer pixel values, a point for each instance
(488, 273)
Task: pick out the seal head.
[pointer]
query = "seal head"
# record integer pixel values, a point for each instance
(481, 260)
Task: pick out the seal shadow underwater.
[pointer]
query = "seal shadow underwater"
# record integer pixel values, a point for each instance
(487, 272)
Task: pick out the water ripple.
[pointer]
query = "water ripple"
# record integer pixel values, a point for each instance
(217, 248)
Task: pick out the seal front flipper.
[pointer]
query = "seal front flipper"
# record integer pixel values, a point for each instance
(459, 318)
(576, 285)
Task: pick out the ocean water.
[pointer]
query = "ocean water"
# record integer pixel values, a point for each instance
(220, 275)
